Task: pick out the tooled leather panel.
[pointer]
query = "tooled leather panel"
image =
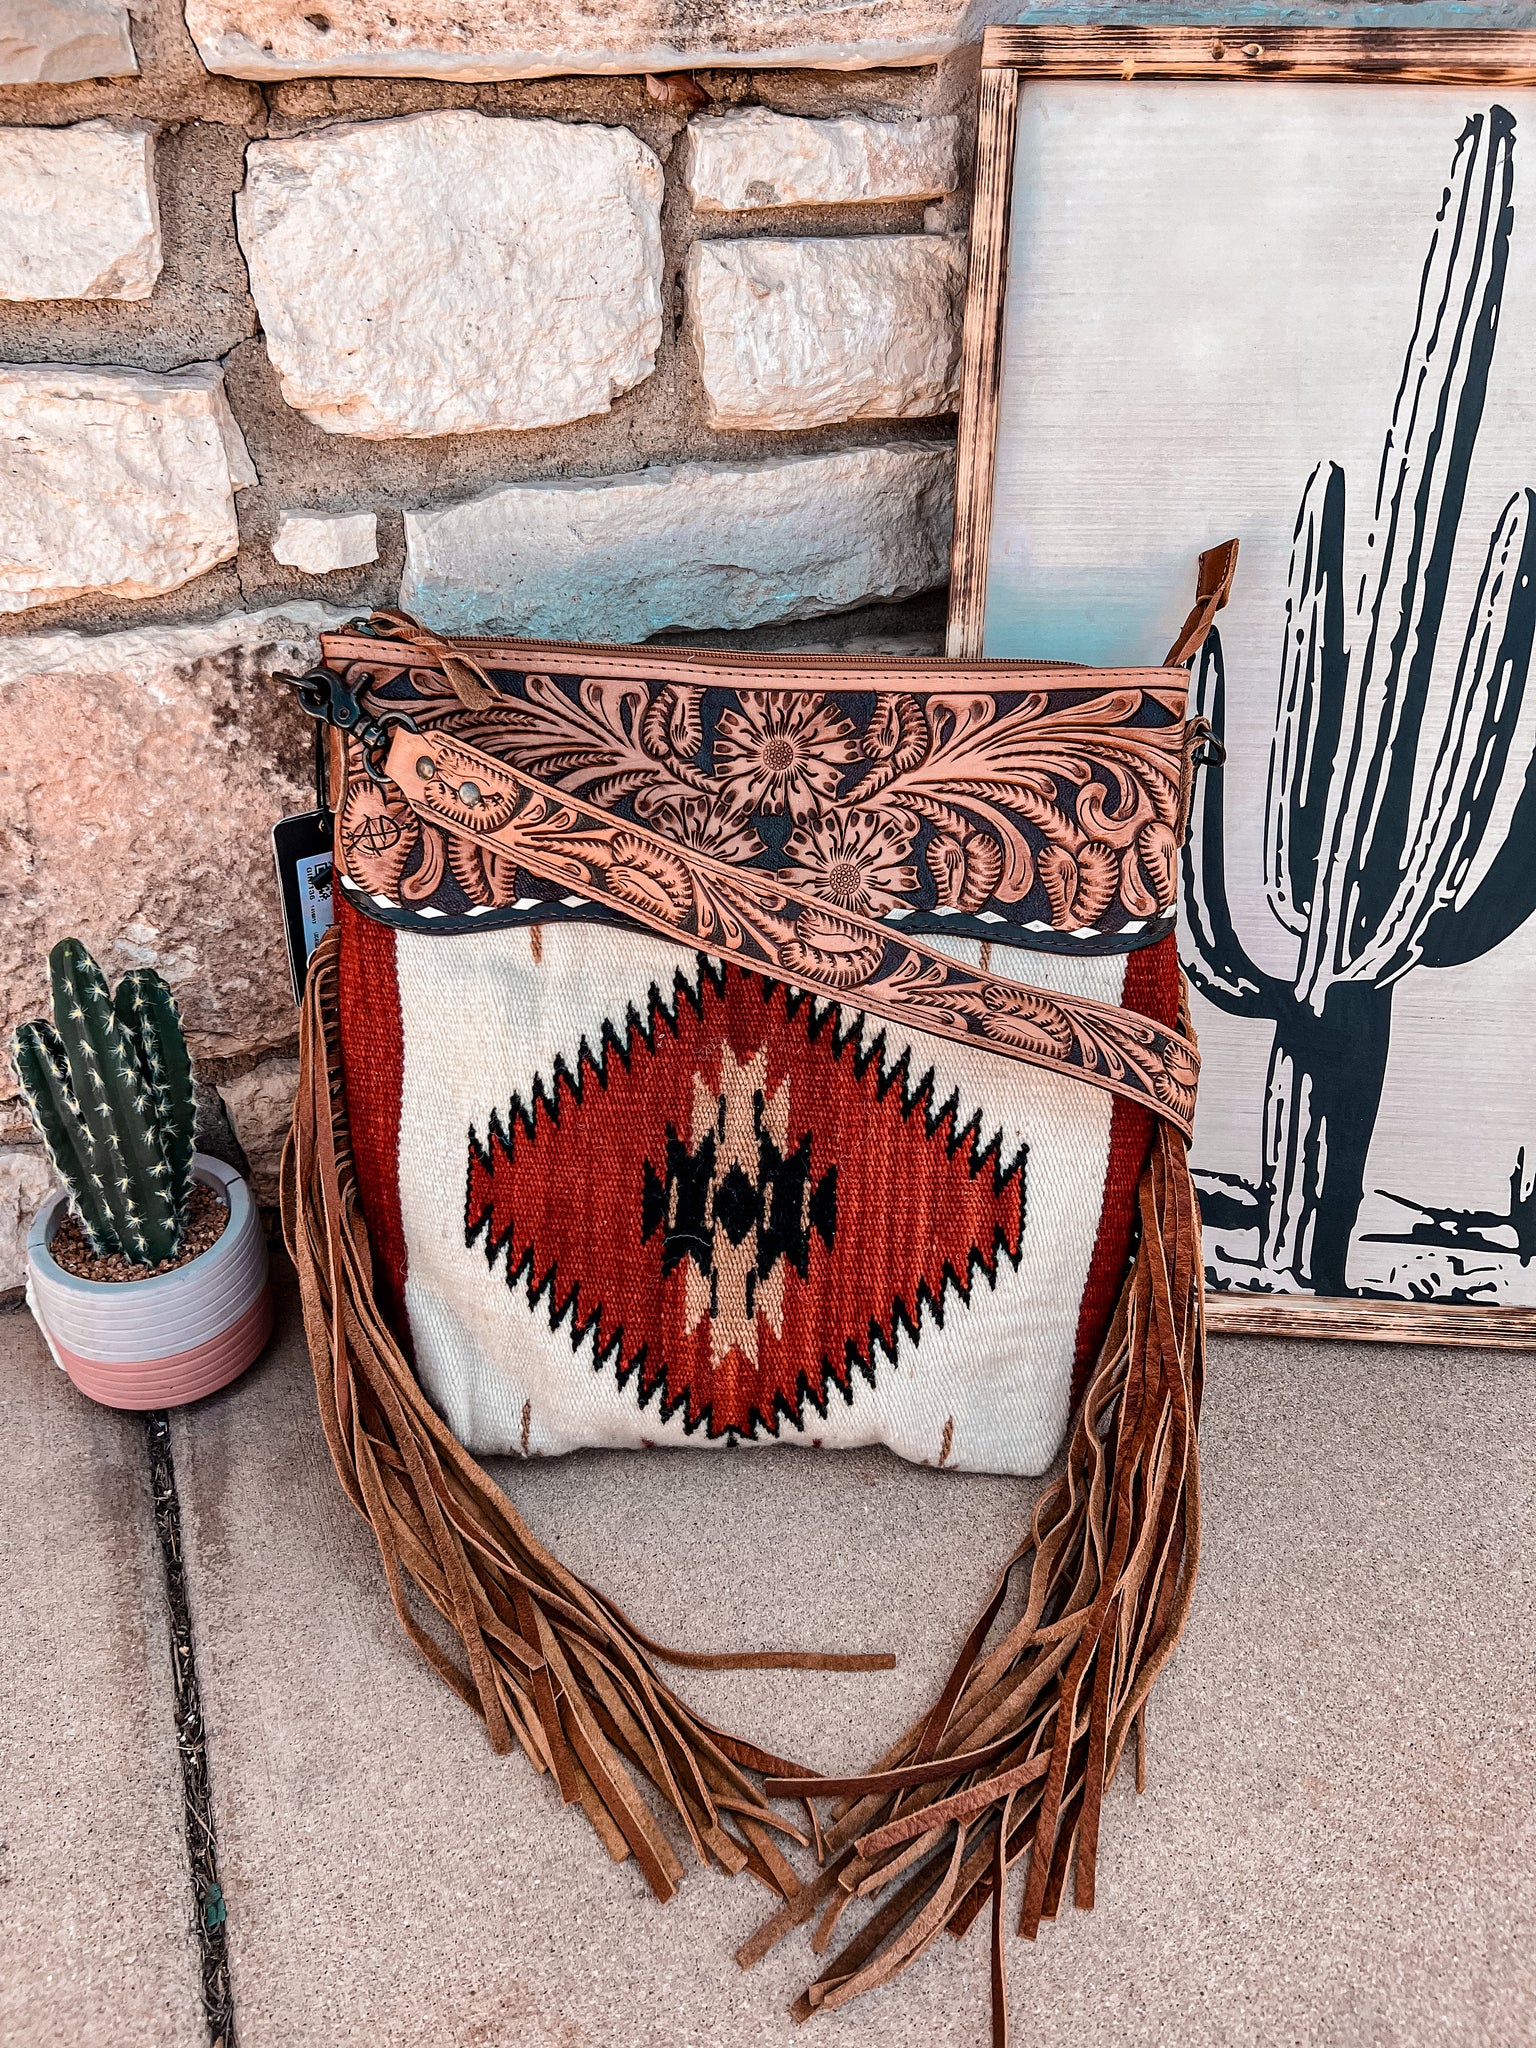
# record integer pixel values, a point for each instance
(493, 812)
(1043, 814)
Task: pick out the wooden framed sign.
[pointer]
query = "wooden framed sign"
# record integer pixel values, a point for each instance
(1282, 284)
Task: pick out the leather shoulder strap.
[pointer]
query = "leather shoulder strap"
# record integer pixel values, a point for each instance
(753, 919)
(747, 915)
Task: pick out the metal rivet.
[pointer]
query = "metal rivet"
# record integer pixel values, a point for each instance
(469, 793)
(426, 767)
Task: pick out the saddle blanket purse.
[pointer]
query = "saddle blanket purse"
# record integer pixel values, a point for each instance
(721, 1049)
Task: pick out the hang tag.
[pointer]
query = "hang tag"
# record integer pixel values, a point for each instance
(301, 847)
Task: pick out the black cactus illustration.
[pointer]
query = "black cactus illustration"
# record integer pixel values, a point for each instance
(1388, 767)
(1487, 1230)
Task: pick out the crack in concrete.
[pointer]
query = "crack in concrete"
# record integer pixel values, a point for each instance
(191, 1742)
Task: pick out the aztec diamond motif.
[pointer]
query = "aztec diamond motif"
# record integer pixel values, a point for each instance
(744, 1206)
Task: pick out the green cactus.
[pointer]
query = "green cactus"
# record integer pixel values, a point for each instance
(109, 1086)
(147, 1011)
(38, 1057)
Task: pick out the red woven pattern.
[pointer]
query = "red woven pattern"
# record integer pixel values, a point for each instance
(741, 1207)
(1152, 986)
(373, 1057)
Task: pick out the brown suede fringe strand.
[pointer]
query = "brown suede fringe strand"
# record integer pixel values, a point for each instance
(1012, 1762)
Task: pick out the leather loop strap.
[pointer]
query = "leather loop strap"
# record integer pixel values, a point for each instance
(1213, 588)
(753, 919)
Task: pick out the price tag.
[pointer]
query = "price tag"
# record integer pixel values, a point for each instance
(301, 846)
(302, 849)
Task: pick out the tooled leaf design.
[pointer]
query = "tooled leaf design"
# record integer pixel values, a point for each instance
(484, 873)
(1125, 779)
(378, 832)
(764, 922)
(612, 738)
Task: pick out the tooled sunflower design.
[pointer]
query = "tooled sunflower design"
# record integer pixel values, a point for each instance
(856, 860)
(781, 750)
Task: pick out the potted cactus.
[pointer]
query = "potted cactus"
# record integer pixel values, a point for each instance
(147, 1272)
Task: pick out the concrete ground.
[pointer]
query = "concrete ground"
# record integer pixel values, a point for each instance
(1337, 1843)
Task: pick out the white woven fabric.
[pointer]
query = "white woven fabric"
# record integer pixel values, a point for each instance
(983, 1384)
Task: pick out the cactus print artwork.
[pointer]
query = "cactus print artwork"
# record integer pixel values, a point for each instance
(1360, 876)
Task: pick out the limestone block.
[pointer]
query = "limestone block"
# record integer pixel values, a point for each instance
(213, 1132)
(260, 1104)
(800, 333)
(26, 1181)
(749, 157)
(449, 273)
(700, 545)
(53, 41)
(145, 771)
(78, 215)
(469, 39)
(322, 541)
(114, 480)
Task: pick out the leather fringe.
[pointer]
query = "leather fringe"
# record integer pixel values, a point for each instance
(543, 1658)
(1012, 1762)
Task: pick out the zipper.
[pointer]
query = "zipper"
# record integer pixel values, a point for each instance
(776, 657)
(752, 654)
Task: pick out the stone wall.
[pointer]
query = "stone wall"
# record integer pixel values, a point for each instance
(308, 306)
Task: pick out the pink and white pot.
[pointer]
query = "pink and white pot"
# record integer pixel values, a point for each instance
(161, 1342)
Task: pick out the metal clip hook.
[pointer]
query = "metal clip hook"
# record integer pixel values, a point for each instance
(330, 698)
(1202, 749)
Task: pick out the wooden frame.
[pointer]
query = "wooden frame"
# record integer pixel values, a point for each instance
(1012, 58)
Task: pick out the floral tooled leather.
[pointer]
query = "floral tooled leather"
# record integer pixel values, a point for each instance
(762, 921)
(1044, 816)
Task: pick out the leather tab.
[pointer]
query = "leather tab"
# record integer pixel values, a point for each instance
(463, 673)
(1212, 589)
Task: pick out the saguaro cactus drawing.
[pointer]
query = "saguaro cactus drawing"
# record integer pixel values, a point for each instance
(1385, 773)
